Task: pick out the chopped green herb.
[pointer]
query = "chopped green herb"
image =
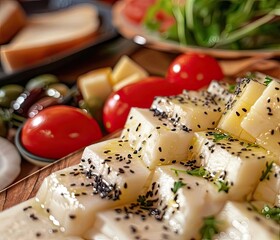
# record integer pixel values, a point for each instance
(250, 75)
(271, 213)
(252, 145)
(220, 136)
(177, 186)
(268, 80)
(231, 88)
(199, 171)
(265, 173)
(222, 186)
(209, 228)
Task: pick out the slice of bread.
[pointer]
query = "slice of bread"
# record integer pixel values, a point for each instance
(12, 19)
(48, 34)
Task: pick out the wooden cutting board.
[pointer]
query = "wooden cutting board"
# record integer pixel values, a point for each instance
(28, 186)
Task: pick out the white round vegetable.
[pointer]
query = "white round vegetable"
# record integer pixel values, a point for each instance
(9, 163)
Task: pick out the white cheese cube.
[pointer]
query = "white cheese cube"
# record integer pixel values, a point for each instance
(231, 161)
(156, 139)
(263, 120)
(197, 111)
(172, 208)
(240, 221)
(246, 94)
(222, 91)
(268, 189)
(109, 175)
(28, 220)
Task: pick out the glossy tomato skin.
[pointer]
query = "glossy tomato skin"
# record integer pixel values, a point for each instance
(140, 94)
(194, 71)
(135, 10)
(59, 130)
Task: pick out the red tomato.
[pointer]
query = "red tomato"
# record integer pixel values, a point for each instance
(59, 130)
(193, 71)
(140, 94)
(135, 10)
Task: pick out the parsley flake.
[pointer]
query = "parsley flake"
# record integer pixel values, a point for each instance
(177, 186)
(268, 80)
(271, 213)
(209, 228)
(265, 173)
(220, 136)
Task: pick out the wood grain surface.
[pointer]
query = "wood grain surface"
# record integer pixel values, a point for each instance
(28, 187)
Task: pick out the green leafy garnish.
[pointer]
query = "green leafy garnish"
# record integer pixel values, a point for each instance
(265, 173)
(252, 145)
(220, 136)
(230, 24)
(209, 228)
(231, 88)
(199, 171)
(222, 186)
(271, 213)
(268, 80)
(177, 186)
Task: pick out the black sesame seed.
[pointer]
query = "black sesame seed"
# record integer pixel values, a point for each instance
(72, 216)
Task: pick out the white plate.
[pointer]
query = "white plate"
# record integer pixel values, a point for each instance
(143, 37)
(9, 163)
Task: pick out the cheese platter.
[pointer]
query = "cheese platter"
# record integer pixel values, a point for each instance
(180, 166)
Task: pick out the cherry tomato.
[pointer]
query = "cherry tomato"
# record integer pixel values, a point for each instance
(59, 130)
(193, 71)
(135, 10)
(140, 94)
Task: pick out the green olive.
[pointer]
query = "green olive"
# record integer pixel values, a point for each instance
(3, 128)
(94, 106)
(60, 87)
(41, 81)
(9, 93)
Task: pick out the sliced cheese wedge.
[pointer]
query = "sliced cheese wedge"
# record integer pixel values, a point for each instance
(48, 34)
(109, 175)
(12, 19)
